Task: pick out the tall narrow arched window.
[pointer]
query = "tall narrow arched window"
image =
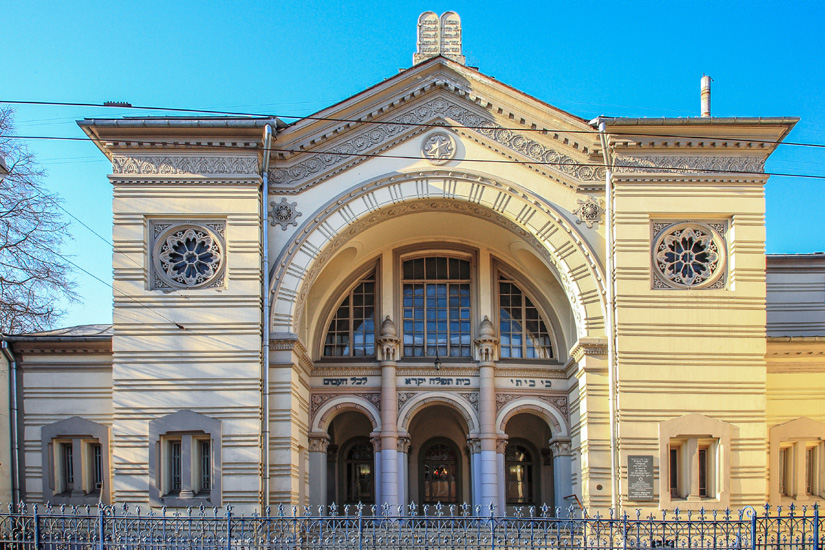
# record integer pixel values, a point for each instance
(439, 468)
(436, 307)
(523, 332)
(351, 332)
(519, 471)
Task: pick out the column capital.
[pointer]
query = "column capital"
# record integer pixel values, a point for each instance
(318, 442)
(561, 446)
(403, 444)
(501, 444)
(375, 439)
(474, 445)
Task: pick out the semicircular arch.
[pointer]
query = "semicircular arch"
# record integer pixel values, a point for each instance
(516, 208)
(332, 408)
(412, 406)
(554, 418)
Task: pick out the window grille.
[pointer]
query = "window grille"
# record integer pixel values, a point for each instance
(175, 463)
(97, 466)
(68, 464)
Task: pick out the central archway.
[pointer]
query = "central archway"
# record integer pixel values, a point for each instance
(513, 207)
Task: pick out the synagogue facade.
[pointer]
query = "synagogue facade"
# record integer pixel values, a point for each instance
(439, 290)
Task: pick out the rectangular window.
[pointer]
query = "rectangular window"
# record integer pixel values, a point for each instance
(674, 472)
(67, 461)
(703, 471)
(785, 463)
(175, 466)
(97, 466)
(206, 465)
(810, 470)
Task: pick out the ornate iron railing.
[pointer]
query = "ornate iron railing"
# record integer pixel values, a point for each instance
(438, 527)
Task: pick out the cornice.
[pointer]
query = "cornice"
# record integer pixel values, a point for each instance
(589, 347)
(352, 149)
(100, 347)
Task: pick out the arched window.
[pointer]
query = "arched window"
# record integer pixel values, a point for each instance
(351, 332)
(439, 470)
(519, 466)
(523, 332)
(436, 307)
(359, 474)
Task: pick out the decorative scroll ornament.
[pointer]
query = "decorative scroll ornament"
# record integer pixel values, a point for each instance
(438, 148)
(188, 256)
(689, 255)
(589, 211)
(284, 213)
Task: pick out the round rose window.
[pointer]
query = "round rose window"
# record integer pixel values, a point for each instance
(689, 255)
(188, 256)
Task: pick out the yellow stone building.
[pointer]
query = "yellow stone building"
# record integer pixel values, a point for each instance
(440, 289)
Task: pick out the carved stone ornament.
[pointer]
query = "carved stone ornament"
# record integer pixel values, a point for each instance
(187, 255)
(318, 444)
(692, 164)
(474, 445)
(561, 447)
(589, 211)
(403, 444)
(284, 213)
(439, 36)
(438, 147)
(486, 343)
(388, 341)
(501, 445)
(688, 256)
(471, 398)
(172, 166)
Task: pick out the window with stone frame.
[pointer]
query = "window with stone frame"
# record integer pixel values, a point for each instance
(797, 461)
(694, 462)
(185, 460)
(75, 458)
(351, 332)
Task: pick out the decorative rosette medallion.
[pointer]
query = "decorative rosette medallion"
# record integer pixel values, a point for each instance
(438, 147)
(188, 256)
(689, 255)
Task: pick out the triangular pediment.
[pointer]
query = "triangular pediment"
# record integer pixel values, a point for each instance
(437, 93)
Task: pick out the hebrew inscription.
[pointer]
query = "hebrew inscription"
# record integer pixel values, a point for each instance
(439, 36)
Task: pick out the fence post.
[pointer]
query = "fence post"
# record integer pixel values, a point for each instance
(492, 527)
(360, 528)
(36, 529)
(753, 530)
(229, 527)
(101, 531)
(816, 527)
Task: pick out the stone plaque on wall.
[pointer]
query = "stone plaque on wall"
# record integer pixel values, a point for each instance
(640, 478)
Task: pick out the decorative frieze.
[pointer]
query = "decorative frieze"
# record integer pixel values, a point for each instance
(177, 165)
(376, 135)
(688, 164)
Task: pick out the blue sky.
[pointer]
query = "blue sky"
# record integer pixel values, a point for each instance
(293, 58)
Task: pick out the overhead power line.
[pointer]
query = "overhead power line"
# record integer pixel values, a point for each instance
(123, 105)
(409, 157)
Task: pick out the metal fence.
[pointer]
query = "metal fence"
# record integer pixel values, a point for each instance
(438, 527)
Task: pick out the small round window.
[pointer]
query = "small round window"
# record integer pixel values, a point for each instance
(689, 255)
(188, 256)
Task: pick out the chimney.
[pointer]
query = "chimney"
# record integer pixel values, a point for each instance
(705, 96)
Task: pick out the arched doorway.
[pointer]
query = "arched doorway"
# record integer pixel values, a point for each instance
(528, 462)
(351, 474)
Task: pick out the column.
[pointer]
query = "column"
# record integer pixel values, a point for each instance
(186, 458)
(403, 458)
(77, 467)
(562, 470)
(318, 445)
(501, 474)
(475, 471)
(387, 491)
(486, 345)
(378, 488)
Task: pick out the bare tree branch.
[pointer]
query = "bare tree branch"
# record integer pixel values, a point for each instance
(33, 278)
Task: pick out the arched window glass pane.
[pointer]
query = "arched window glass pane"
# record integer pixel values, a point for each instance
(519, 471)
(440, 472)
(523, 331)
(351, 332)
(436, 302)
(359, 474)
